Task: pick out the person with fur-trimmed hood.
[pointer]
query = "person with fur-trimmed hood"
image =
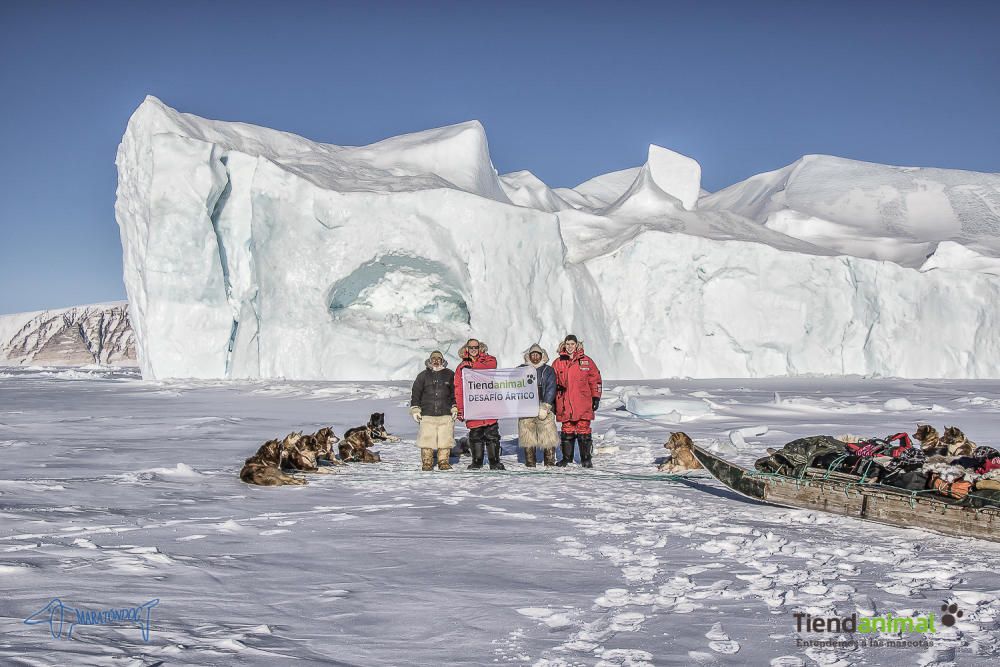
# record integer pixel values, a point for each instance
(540, 431)
(578, 395)
(484, 434)
(432, 405)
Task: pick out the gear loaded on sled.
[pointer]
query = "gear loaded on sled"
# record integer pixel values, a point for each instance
(893, 462)
(888, 460)
(796, 457)
(791, 478)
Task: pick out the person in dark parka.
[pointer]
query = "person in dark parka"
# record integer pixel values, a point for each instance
(540, 431)
(432, 405)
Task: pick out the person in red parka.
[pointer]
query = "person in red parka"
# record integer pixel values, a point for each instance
(578, 395)
(483, 433)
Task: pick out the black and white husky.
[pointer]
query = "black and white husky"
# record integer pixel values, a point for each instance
(376, 428)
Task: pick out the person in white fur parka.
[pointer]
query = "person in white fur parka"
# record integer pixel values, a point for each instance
(540, 431)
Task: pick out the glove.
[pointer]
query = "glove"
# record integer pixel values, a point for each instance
(596, 402)
(543, 411)
(454, 413)
(415, 413)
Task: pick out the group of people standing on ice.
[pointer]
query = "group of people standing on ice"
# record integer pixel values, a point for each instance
(569, 393)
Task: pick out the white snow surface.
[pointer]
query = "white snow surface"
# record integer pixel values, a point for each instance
(128, 492)
(253, 253)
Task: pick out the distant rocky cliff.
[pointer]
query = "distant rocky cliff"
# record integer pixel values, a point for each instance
(78, 336)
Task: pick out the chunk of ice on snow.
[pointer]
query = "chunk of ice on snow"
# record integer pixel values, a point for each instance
(657, 406)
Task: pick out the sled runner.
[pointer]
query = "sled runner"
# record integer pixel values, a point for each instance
(845, 495)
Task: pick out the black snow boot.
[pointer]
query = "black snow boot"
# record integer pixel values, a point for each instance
(586, 449)
(529, 457)
(476, 445)
(494, 455)
(493, 446)
(567, 444)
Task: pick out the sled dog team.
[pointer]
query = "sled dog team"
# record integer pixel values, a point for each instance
(569, 393)
(303, 453)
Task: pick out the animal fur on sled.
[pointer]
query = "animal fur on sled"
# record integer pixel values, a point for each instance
(681, 454)
(950, 472)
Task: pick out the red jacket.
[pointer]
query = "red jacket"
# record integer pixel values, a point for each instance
(580, 380)
(989, 465)
(482, 361)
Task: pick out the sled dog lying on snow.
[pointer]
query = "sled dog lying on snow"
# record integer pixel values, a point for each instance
(305, 452)
(325, 440)
(296, 451)
(681, 455)
(376, 428)
(356, 446)
(264, 467)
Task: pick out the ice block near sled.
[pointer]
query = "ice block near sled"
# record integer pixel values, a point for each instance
(870, 502)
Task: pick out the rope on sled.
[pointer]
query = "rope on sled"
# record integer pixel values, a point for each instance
(864, 473)
(830, 468)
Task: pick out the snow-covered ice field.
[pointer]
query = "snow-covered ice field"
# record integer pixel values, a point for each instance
(116, 491)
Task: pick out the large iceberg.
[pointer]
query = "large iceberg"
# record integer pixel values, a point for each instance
(250, 252)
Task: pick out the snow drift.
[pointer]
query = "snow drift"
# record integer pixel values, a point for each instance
(250, 252)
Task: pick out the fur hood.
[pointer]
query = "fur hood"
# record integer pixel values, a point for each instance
(427, 361)
(561, 348)
(464, 353)
(536, 348)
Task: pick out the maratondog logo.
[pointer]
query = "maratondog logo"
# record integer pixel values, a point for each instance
(55, 614)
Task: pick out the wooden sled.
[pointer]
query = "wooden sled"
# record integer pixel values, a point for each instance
(832, 493)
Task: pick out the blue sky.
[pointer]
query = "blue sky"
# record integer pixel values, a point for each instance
(567, 90)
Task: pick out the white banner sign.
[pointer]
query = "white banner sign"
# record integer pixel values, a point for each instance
(503, 393)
